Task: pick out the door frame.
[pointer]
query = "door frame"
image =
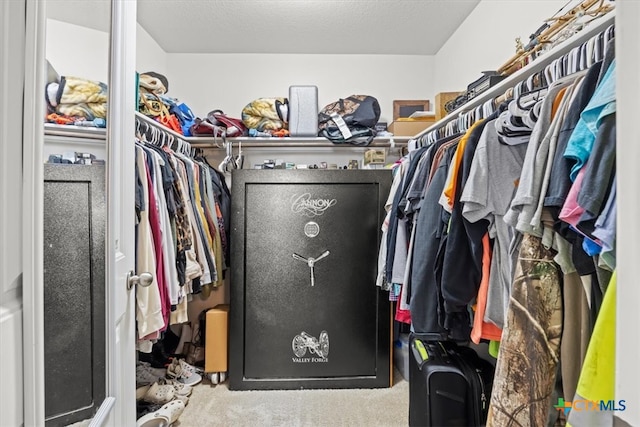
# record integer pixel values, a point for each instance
(120, 373)
(32, 210)
(628, 177)
(119, 407)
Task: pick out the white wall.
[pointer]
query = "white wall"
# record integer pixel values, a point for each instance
(230, 81)
(149, 55)
(486, 39)
(78, 51)
(92, 64)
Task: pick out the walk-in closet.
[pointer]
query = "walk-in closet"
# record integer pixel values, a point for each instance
(301, 212)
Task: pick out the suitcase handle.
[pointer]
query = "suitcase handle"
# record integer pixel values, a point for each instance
(419, 352)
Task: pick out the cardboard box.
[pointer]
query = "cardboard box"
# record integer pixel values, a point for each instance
(217, 339)
(441, 99)
(408, 127)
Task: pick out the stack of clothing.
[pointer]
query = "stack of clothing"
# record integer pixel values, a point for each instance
(76, 99)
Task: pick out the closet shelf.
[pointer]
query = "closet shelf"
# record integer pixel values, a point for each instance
(593, 28)
(100, 135)
(76, 132)
(271, 142)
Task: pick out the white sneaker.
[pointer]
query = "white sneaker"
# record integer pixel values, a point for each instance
(187, 367)
(181, 373)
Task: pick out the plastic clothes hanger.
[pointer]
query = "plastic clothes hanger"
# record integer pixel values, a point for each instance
(488, 108)
(156, 135)
(527, 100)
(599, 48)
(583, 57)
(186, 147)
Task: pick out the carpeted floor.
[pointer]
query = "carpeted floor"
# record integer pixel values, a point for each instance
(217, 406)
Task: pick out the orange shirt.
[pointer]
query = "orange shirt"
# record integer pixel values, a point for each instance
(482, 329)
(557, 101)
(450, 187)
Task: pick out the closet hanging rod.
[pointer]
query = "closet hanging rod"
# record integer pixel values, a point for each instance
(163, 135)
(293, 142)
(161, 127)
(592, 29)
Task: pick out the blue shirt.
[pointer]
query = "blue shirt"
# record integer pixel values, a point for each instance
(602, 103)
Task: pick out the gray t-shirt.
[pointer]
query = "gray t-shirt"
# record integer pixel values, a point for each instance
(546, 154)
(492, 181)
(525, 202)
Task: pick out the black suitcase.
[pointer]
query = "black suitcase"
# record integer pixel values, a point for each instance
(449, 385)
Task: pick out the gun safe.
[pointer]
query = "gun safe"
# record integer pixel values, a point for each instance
(305, 309)
(74, 292)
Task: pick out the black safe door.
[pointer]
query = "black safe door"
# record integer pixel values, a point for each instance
(74, 292)
(312, 315)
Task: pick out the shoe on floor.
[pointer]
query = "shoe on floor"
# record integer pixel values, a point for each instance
(181, 373)
(153, 419)
(160, 394)
(142, 391)
(173, 409)
(163, 417)
(179, 388)
(156, 371)
(183, 399)
(144, 408)
(186, 366)
(146, 374)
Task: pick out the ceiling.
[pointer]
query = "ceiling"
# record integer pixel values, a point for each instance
(385, 27)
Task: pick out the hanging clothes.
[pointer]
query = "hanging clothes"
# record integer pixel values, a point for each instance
(180, 233)
(426, 298)
(530, 345)
(597, 380)
(499, 241)
(149, 315)
(493, 180)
